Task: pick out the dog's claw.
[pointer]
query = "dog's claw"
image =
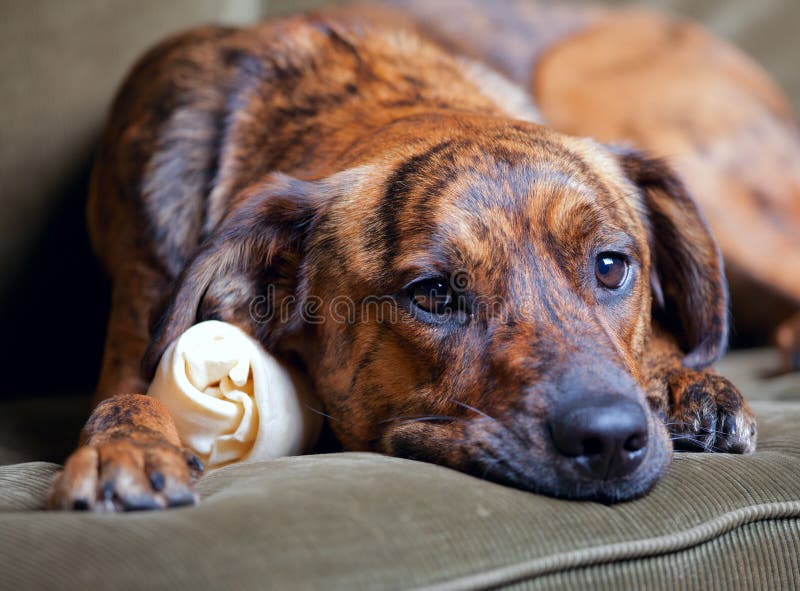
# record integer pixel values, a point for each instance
(124, 474)
(157, 481)
(195, 464)
(709, 414)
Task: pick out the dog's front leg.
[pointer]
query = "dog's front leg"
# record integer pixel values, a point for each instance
(130, 459)
(703, 411)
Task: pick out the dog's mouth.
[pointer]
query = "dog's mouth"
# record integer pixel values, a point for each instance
(526, 457)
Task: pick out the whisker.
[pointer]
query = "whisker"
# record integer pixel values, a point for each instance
(413, 418)
(510, 429)
(319, 412)
(705, 447)
(472, 408)
(690, 435)
(423, 419)
(687, 438)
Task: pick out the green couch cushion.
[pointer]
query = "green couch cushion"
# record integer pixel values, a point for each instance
(364, 521)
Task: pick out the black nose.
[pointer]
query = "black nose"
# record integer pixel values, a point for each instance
(605, 438)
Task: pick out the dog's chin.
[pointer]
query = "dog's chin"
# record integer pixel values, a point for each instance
(537, 468)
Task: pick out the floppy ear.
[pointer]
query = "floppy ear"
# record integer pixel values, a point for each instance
(251, 258)
(690, 292)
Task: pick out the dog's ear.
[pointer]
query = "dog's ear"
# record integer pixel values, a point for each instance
(251, 259)
(690, 295)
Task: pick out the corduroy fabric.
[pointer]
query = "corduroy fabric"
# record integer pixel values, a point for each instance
(753, 557)
(363, 521)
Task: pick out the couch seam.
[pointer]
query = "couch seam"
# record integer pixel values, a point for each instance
(621, 551)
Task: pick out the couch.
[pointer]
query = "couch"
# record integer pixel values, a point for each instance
(329, 521)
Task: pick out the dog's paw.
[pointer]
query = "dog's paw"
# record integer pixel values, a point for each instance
(709, 414)
(126, 473)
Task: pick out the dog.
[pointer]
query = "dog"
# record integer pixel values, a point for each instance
(550, 306)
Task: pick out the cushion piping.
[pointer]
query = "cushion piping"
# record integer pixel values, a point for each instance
(622, 551)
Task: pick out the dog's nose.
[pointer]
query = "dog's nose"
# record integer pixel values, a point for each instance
(605, 438)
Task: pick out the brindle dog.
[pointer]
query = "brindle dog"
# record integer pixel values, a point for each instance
(549, 306)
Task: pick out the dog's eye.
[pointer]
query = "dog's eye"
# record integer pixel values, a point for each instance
(611, 270)
(432, 295)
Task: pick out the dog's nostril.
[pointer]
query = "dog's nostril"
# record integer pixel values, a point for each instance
(592, 447)
(635, 442)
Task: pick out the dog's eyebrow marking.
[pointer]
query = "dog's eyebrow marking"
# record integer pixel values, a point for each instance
(396, 194)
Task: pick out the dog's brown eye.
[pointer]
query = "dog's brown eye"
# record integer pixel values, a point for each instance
(432, 295)
(611, 270)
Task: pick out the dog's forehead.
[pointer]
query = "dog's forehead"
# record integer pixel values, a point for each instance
(483, 203)
(471, 200)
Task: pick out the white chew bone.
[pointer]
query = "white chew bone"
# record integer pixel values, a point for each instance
(231, 400)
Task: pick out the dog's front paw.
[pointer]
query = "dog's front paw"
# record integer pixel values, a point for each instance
(130, 472)
(709, 414)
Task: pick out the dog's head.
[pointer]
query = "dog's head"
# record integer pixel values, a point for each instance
(481, 299)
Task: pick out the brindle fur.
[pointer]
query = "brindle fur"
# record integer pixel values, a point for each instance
(342, 154)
